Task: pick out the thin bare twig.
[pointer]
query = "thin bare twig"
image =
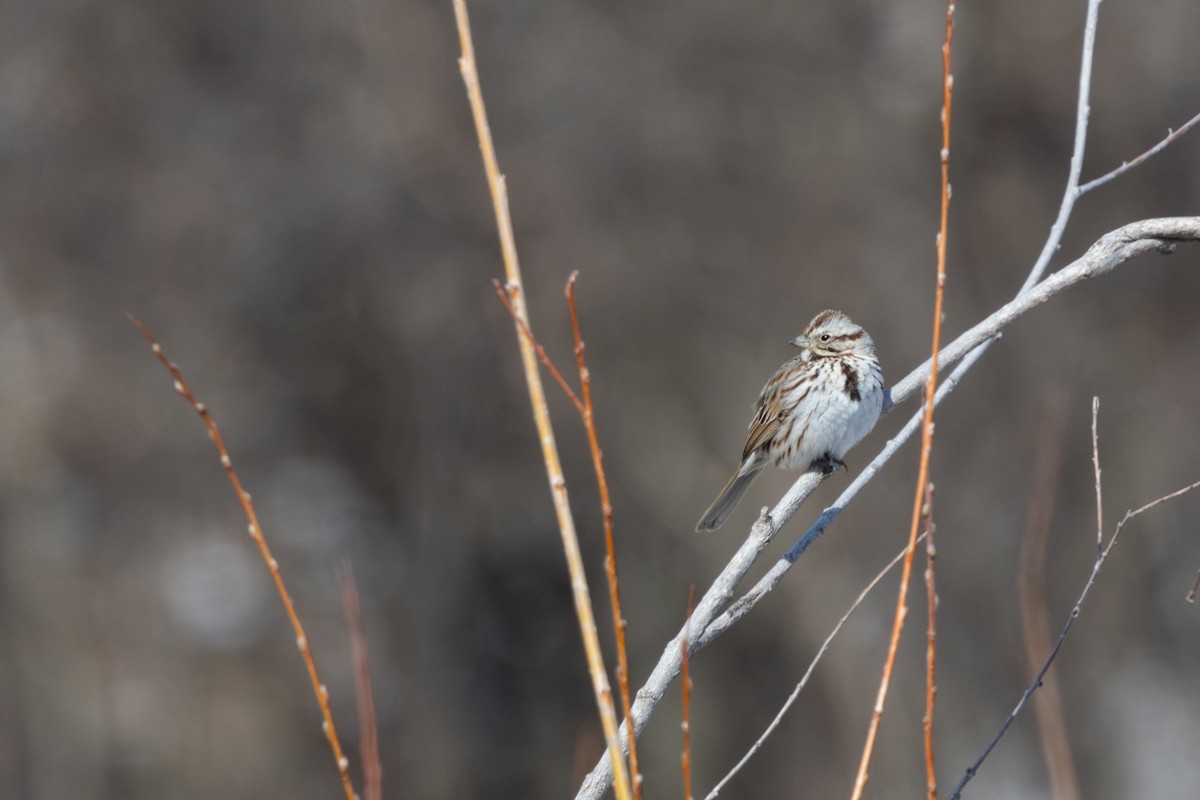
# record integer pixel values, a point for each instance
(685, 760)
(716, 790)
(1097, 565)
(1191, 595)
(1096, 467)
(506, 298)
(255, 530)
(587, 415)
(931, 602)
(368, 729)
(1172, 135)
(537, 399)
(610, 558)
(860, 779)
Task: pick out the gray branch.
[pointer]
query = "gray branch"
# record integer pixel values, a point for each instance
(1103, 257)
(1109, 252)
(1112, 250)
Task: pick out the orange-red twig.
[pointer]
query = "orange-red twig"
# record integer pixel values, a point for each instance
(539, 350)
(586, 413)
(322, 694)
(931, 603)
(1096, 467)
(610, 559)
(685, 760)
(368, 730)
(541, 414)
(860, 780)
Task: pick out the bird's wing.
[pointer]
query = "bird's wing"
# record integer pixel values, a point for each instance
(765, 423)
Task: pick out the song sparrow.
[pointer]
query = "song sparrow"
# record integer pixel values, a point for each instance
(814, 408)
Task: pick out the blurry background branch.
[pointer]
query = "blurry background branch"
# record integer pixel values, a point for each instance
(1032, 588)
(1102, 553)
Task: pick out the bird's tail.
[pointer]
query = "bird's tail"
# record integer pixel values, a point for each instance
(721, 508)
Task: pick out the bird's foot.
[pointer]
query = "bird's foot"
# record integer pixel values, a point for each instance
(828, 465)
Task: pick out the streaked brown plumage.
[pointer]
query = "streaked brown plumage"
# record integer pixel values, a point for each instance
(815, 407)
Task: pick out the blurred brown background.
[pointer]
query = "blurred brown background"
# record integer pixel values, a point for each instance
(290, 196)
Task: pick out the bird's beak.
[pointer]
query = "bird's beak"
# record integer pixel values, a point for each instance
(801, 341)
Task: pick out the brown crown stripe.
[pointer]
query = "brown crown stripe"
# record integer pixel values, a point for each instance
(822, 318)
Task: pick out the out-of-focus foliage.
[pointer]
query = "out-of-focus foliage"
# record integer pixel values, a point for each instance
(290, 196)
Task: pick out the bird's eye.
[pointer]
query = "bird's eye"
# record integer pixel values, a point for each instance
(824, 337)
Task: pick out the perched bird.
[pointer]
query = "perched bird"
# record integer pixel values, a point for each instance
(815, 407)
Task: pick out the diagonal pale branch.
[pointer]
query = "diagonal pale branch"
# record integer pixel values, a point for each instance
(541, 413)
(1112, 250)
(1109, 252)
(718, 594)
(1171, 136)
(812, 666)
(1105, 255)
